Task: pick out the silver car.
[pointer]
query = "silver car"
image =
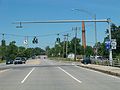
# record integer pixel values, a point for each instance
(18, 60)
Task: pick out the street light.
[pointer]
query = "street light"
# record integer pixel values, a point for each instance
(93, 16)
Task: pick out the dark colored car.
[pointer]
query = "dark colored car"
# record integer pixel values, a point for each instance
(18, 60)
(23, 60)
(86, 60)
(9, 61)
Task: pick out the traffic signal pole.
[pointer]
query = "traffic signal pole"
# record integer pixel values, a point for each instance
(110, 50)
(74, 21)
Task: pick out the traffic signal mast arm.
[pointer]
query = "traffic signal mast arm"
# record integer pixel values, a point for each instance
(74, 21)
(62, 21)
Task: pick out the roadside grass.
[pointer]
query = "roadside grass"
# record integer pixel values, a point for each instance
(2, 61)
(60, 59)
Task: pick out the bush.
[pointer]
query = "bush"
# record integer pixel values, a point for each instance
(118, 57)
(2, 61)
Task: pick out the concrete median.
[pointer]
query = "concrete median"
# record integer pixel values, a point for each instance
(105, 69)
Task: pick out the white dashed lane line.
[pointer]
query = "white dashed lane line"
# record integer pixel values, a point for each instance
(70, 75)
(27, 75)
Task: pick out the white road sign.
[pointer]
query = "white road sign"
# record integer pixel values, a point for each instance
(113, 43)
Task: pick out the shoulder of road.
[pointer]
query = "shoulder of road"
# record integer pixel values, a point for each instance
(105, 69)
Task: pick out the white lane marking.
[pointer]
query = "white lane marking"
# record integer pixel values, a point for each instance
(27, 75)
(70, 75)
(98, 72)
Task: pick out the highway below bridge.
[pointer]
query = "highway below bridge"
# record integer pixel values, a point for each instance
(54, 75)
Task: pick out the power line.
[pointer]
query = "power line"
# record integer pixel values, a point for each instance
(45, 35)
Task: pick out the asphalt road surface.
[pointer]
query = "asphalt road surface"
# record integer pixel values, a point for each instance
(52, 75)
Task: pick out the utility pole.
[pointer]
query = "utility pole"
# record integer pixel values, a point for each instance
(75, 29)
(64, 46)
(67, 45)
(96, 49)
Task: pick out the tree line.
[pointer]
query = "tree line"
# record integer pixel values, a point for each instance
(60, 48)
(12, 51)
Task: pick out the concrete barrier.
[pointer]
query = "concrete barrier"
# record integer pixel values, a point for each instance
(105, 69)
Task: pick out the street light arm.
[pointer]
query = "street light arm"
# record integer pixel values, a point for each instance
(87, 12)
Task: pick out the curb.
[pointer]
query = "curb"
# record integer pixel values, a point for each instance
(100, 70)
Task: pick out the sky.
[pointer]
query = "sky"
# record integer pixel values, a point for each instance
(41, 10)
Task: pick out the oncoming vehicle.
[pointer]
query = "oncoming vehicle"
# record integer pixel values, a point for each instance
(18, 60)
(86, 60)
(23, 60)
(9, 62)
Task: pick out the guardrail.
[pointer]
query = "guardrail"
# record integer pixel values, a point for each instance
(116, 62)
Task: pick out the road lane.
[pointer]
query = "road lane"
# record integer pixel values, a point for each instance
(11, 79)
(48, 76)
(94, 80)
(27, 75)
(70, 75)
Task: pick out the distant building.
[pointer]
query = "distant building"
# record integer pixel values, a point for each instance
(71, 56)
(78, 57)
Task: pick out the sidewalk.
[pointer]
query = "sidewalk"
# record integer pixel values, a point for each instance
(105, 69)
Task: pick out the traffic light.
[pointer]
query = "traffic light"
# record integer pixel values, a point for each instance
(35, 40)
(58, 40)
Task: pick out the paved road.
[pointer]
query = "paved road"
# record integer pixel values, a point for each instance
(52, 75)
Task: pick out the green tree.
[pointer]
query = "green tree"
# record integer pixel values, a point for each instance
(101, 49)
(3, 50)
(28, 52)
(89, 51)
(38, 51)
(79, 48)
(115, 34)
(12, 50)
(115, 30)
(21, 51)
(57, 50)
